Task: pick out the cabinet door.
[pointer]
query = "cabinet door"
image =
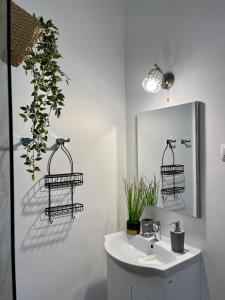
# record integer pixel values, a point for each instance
(184, 284)
(117, 289)
(135, 295)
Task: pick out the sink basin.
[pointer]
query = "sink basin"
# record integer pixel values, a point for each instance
(136, 251)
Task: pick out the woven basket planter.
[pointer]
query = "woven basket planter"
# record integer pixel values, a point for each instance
(25, 31)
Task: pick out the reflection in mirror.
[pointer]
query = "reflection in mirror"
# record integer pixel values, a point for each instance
(168, 148)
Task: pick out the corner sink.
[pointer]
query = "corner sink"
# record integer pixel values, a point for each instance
(136, 251)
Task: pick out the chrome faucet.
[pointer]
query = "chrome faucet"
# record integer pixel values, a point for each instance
(157, 229)
(151, 228)
(152, 243)
(155, 238)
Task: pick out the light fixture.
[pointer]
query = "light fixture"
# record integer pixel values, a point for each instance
(157, 80)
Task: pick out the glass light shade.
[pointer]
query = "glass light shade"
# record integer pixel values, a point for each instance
(153, 82)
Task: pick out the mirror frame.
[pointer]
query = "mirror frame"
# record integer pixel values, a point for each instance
(198, 109)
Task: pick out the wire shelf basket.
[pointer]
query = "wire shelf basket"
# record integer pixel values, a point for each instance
(59, 181)
(172, 169)
(63, 210)
(173, 182)
(62, 181)
(172, 190)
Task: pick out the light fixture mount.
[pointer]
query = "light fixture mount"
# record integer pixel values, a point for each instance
(168, 80)
(157, 80)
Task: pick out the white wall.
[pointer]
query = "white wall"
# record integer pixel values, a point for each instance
(186, 37)
(66, 260)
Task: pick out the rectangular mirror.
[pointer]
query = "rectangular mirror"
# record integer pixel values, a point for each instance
(168, 147)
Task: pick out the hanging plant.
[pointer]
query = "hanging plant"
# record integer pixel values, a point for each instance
(48, 97)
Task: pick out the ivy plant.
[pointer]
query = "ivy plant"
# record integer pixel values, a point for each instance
(47, 97)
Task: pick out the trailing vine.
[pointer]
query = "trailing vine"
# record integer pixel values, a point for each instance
(42, 63)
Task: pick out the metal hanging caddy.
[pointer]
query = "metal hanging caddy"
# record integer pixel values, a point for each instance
(62, 181)
(171, 182)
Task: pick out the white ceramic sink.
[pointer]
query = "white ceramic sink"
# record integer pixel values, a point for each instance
(136, 251)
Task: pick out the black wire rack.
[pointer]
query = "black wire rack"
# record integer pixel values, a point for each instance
(172, 169)
(172, 190)
(62, 181)
(63, 210)
(173, 182)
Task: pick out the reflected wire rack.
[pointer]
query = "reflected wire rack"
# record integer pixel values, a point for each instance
(172, 180)
(172, 169)
(172, 190)
(62, 181)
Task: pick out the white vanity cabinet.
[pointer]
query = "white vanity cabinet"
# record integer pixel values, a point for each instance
(117, 288)
(185, 284)
(127, 283)
(166, 276)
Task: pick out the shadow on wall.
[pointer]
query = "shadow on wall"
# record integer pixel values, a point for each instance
(205, 292)
(96, 291)
(42, 233)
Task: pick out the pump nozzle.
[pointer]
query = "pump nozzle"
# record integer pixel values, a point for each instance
(177, 226)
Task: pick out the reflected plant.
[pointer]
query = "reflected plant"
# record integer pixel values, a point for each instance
(151, 191)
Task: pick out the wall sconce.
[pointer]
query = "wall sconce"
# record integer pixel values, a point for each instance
(157, 80)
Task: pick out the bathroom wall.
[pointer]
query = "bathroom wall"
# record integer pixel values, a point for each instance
(186, 37)
(66, 260)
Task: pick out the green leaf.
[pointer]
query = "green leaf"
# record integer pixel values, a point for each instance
(38, 158)
(57, 56)
(37, 169)
(60, 96)
(43, 89)
(40, 97)
(49, 23)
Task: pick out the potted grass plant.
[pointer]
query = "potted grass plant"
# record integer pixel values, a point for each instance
(135, 200)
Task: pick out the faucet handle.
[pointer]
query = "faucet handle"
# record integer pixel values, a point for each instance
(156, 226)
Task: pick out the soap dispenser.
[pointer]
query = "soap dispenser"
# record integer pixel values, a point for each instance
(177, 238)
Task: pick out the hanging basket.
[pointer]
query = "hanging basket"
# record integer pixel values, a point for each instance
(25, 32)
(62, 181)
(172, 176)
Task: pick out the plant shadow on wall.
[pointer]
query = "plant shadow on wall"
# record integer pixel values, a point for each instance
(42, 234)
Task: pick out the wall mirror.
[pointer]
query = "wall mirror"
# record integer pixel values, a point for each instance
(168, 147)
